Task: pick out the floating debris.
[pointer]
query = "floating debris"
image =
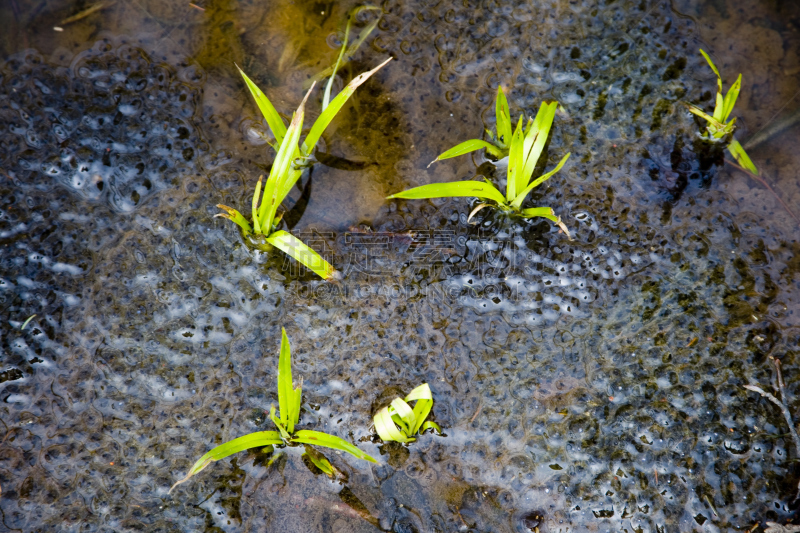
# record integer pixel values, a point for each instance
(86, 12)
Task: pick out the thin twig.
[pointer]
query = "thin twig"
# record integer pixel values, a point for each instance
(767, 123)
(784, 410)
(782, 405)
(763, 182)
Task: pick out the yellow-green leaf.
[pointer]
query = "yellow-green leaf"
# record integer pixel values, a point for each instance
(296, 249)
(502, 117)
(517, 203)
(465, 148)
(479, 189)
(274, 120)
(317, 438)
(741, 157)
(253, 440)
(234, 216)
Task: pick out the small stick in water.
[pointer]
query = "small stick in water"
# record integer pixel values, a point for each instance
(88, 11)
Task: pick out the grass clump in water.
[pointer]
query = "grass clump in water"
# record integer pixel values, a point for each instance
(292, 157)
(399, 422)
(524, 147)
(286, 420)
(718, 126)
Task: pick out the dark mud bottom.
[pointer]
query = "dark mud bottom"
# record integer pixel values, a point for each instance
(585, 385)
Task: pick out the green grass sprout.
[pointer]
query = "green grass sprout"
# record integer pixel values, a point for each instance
(718, 126)
(525, 145)
(286, 170)
(289, 401)
(399, 422)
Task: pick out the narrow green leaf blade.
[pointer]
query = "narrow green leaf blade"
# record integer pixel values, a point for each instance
(741, 157)
(540, 130)
(730, 98)
(421, 411)
(334, 107)
(252, 440)
(478, 189)
(517, 203)
(274, 120)
(317, 438)
(234, 216)
(710, 63)
(296, 249)
(464, 148)
(502, 117)
(256, 224)
(285, 395)
(280, 168)
(515, 161)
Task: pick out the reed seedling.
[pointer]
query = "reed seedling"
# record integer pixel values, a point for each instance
(399, 422)
(718, 127)
(285, 420)
(525, 145)
(292, 156)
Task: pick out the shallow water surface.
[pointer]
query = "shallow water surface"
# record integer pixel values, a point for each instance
(593, 384)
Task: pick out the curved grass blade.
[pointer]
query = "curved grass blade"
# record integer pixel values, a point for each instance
(403, 415)
(430, 424)
(274, 120)
(517, 203)
(306, 436)
(424, 398)
(549, 214)
(234, 216)
(296, 249)
(334, 107)
(741, 157)
(712, 65)
(253, 440)
(475, 211)
(465, 148)
(386, 428)
(478, 189)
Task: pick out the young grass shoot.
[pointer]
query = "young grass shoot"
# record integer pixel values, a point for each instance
(292, 156)
(285, 420)
(525, 145)
(718, 127)
(399, 422)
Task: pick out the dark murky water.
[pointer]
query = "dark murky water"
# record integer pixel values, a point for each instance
(586, 385)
